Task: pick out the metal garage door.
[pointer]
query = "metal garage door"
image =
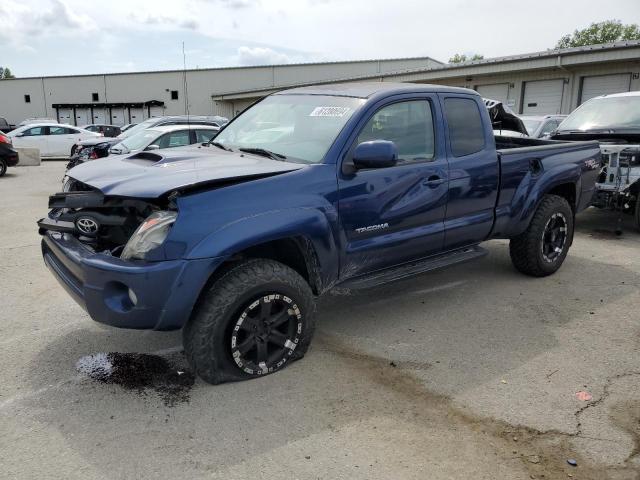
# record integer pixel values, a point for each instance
(543, 97)
(100, 115)
(83, 116)
(498, 91)
(604, 84)
(65, 115)
(119, 116)
(136, 115)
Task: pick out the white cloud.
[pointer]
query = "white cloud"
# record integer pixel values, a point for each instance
(261, 56)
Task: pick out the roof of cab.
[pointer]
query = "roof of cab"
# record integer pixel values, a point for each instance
(369, 89)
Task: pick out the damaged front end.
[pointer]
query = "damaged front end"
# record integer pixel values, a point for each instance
(123, 227)
(618, 185)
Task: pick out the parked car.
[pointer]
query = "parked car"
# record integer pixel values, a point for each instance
(52, 139)
(541, 126)
(166, 136)
(374, 182)
(104, 130)
(99, 148)
(614, 121)
(8, 156)
(5, 127)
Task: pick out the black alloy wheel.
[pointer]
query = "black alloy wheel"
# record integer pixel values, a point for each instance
(554, 237)
(266, 334)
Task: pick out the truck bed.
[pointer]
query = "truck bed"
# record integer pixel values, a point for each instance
(527, 164)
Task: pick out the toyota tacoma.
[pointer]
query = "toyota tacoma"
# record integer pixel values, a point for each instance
(352, 185)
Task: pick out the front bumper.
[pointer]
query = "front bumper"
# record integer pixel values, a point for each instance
(164, 292)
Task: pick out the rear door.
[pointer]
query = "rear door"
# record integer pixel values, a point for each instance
(394, 215)
(474, 171)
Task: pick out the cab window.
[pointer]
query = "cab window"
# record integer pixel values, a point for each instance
(407, 124)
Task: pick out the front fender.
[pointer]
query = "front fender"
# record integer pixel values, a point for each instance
(310, 223)
(531, 190)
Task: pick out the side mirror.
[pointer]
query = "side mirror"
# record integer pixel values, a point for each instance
(153, 147)
(375, 154)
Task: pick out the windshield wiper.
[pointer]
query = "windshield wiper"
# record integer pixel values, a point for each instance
(219, 145)
(264, 153)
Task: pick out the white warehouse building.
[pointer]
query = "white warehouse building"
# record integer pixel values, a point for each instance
(553, 81)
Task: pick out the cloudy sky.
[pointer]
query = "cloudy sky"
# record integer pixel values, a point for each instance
(57, 37)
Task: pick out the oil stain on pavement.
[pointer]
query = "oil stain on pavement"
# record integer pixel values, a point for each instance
(140, 373)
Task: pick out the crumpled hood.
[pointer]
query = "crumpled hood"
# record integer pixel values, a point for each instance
(503, 118)
(151, 174)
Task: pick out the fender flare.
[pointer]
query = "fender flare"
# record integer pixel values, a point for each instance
(312, 225)
(529, 194)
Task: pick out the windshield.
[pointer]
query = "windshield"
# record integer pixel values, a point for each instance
(138, 141)
(302, 127)
(139, 127)
(606, 112)
(531, 125)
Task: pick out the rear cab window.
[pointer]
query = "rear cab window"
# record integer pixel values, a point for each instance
(466, 129)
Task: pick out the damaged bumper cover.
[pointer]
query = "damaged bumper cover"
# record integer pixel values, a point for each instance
(138, 295)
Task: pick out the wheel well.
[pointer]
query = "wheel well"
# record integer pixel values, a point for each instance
(295, 252)
(566, 191)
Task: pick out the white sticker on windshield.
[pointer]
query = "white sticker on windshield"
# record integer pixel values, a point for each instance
(329, 112)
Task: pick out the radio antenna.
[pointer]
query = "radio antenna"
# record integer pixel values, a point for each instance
(185, 83)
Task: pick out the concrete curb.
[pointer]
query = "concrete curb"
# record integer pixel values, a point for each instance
(28, 157)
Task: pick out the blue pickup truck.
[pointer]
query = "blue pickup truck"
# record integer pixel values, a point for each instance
(352, 185)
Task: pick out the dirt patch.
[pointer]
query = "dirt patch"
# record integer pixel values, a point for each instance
(544, 455)
(140, 373)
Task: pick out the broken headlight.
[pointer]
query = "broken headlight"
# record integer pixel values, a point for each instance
(149, 235)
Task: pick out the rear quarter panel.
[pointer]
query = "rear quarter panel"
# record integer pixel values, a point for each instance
(522, 188)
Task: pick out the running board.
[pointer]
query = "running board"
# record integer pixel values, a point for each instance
(414, 268)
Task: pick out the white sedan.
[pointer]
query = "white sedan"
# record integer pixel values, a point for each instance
(166, 136)
(52, 139)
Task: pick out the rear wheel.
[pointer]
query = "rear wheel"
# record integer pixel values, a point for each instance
(254, 320)
(541, 249)
(3, 167)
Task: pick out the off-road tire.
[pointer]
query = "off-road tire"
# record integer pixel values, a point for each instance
(526, 248)
(3, 167)
(207, 335)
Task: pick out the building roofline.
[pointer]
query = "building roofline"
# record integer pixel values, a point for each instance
(552, 53)
(243, 67)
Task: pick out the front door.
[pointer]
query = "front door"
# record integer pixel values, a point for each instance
(396, 214)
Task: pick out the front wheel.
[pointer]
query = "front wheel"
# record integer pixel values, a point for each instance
(541, 249)
(3, 167)
(254, 320)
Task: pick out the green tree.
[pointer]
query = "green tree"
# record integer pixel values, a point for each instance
(461, 58)
(5, 73)
(602, 32)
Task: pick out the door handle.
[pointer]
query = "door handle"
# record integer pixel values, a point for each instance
(433, 181)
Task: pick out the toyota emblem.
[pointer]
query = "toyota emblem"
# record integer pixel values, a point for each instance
(87, 225)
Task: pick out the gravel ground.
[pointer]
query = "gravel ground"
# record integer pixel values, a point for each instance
(470, 372)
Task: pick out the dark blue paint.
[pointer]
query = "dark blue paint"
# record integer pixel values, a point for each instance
(424, 209)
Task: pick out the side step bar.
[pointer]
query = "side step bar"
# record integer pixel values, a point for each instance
(414, 268)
